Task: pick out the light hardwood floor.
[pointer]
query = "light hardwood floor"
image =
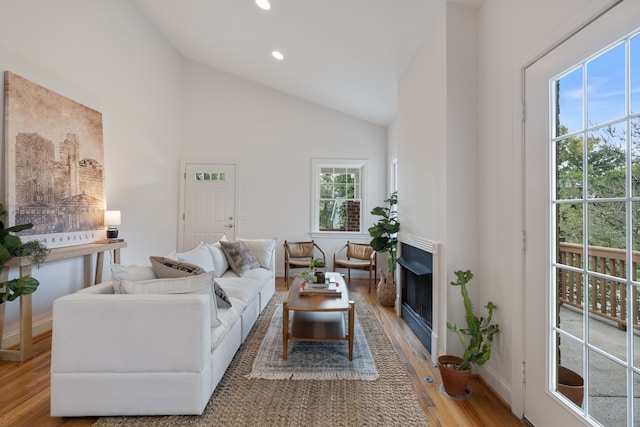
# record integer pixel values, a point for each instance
(24, 387)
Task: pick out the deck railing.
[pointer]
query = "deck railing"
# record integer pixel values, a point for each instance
(608, 298)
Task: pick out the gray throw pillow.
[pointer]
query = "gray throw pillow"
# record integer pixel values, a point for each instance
(240, 257)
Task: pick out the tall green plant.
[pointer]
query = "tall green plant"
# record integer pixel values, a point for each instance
(10, 246)
(477, 337)
(385, 231)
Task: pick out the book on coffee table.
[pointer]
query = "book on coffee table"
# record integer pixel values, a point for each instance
(329, 289)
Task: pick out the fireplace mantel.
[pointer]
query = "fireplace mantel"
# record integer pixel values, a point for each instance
(419, 242)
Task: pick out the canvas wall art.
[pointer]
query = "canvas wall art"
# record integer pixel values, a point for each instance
(54, 171)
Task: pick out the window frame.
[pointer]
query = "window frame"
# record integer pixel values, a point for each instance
(316, 166)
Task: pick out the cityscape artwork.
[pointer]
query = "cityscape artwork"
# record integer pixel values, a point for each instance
(54, 163)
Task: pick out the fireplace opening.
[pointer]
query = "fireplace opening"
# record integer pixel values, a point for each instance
(416, 274)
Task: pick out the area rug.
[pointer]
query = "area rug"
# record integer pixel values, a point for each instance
(312, 360)
(240, 401)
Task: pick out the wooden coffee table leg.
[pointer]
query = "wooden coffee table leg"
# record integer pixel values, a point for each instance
(285, 329)
(352, 315)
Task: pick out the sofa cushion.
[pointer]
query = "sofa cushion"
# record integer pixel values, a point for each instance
(199, 284)
(259, 274)
(239, 255)
(220, 263)
(222, 299)
(199, 256)
(132, 273)
(262, 249)
(243, 289)
(170, 268)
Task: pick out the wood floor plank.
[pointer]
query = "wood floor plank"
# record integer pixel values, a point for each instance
(25, 386)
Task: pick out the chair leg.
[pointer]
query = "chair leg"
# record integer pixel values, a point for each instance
(286, 275)
(369, 280)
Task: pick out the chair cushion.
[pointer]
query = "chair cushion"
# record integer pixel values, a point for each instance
(300, 249)
(359, 251)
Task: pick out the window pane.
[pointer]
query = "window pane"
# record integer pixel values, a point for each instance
(606, 86)
(569, 168)
(326, 191)
(570, 103)
(607, 227)
(607, 161)
(571, 294)
(570, 368)
(570, 229)
(635, 156)
(326, 210)
(607, 391)
(607, 298)
(635, 74)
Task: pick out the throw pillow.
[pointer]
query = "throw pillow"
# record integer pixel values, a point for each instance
(129, 272)
(220, 263)
(199, 256)
(167, 267)
(200, 284)
(240, 257)
(222, 299)
(262, 249)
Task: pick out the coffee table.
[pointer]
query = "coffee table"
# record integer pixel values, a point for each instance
(317, 317)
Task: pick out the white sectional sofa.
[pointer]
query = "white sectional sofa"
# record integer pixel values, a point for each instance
(154, 353)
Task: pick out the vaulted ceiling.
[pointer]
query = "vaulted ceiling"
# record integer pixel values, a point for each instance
(344, 54)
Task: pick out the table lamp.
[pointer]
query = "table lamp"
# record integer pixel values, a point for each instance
(111, 219)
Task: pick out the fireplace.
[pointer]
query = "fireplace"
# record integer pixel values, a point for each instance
(416, 275)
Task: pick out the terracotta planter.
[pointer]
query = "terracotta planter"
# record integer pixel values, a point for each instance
(454, 381)
(571, 385)
(386, 293)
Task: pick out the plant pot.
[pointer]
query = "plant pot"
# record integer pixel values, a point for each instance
(571, 384)
(386, 293)
(454, 381)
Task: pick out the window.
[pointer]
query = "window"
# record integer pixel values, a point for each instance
(337, 199)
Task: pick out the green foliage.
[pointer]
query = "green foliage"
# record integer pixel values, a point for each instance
(384, 233)
(477, 337)
(313, 264)
(10, 246)
(605, 152)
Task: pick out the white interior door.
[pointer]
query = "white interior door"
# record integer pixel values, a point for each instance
(209, 203)
(543, 407)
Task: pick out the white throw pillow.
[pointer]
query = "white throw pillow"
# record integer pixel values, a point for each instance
(132, 273)
(199, 256)
(200, 284)
(220, 263)
(262, 249)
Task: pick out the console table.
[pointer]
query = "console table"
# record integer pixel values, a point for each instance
(55, 254)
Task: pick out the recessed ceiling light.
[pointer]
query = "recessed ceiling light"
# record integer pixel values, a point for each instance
(263, 4)
(278, 55)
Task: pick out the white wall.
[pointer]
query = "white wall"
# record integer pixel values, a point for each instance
(510, 33)
(273, 137)
(105, 55)
(457, 134)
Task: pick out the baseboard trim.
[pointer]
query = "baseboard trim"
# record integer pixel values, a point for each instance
(40, 326)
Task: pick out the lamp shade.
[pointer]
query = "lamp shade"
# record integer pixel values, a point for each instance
(111, 218)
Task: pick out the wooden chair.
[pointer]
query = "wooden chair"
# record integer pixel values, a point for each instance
(359, 256)
(298, 255)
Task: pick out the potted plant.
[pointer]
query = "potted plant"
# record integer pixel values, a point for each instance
(476, 339)
(384, 235)
(315, 270)
(10, 246)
